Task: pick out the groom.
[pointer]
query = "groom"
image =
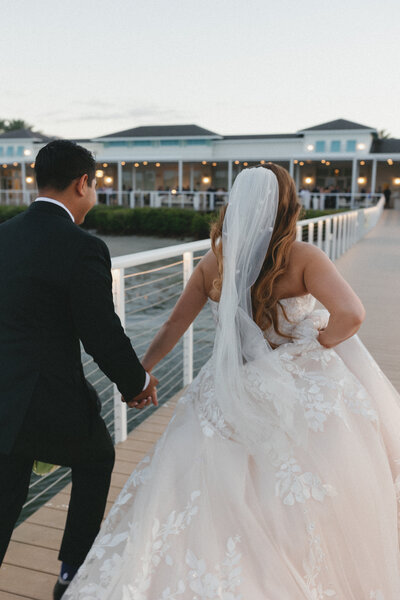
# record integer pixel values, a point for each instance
(56, 290)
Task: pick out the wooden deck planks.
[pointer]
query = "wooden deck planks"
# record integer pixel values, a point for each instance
(31, 566)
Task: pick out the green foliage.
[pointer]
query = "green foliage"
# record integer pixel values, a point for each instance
(313, 213)
(162, 222)
(12, 124)
(7, 212)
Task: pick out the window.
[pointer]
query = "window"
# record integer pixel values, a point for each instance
(116, 144)
(335, 146)
(142, 143)
(1, 151)
(320, 146)
(20, 151)
(196, 142)
(10, 151)
(170, 142)
(351, 146)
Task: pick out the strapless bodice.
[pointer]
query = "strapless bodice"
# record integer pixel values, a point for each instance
(303, 321)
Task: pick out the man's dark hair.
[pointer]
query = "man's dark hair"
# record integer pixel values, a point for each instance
(62, 161)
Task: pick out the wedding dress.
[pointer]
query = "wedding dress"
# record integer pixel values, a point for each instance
(311, 514)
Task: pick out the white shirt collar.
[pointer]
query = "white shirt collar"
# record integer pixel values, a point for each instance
(52, 201)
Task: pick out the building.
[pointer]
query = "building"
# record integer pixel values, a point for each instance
(341, 154)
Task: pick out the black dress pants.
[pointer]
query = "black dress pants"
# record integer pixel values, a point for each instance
(91, 458)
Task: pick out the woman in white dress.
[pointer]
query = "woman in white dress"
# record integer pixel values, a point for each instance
(278, 476)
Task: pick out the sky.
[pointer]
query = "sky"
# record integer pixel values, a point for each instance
(85, 68)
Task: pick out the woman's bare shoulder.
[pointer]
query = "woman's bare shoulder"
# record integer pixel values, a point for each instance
(208, 265)
(303, 252)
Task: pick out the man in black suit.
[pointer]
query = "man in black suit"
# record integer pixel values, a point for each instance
(56, 289)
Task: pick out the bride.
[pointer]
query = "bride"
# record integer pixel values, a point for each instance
(278, 477)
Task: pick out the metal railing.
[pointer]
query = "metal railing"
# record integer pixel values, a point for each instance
(17, 197)
(327, 200)
(146, 286)
(204, 201)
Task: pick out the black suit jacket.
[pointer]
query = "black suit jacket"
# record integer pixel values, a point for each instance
(56, 289)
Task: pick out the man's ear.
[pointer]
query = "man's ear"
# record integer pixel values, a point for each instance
(81, 184)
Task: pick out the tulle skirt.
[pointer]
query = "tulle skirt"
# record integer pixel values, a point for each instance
(202, 518)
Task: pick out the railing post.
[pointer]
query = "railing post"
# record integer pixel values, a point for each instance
(328, 245)
(188, 336)
(310, 233)
(319, 233)
(212, 201)
(334, 238)
(120, 416)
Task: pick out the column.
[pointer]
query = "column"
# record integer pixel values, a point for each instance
(119, 182)
(354, 183)
(230, 175)
(297, 177)
(373, 175)
(291, 167)
(180, 175)
(191, 185)
(25, 198)
(133, 178)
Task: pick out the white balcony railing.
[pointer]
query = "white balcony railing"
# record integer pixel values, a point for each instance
(146, 286)
(205, 201)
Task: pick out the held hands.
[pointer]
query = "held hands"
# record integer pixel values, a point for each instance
(148, 396)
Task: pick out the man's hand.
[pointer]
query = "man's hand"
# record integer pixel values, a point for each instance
(148, 396)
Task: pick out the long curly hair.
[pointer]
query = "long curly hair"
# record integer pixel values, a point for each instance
(264, 303)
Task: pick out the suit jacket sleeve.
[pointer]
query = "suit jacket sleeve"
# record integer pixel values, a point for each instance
(97, 324)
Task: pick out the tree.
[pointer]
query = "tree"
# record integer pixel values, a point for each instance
(12, 124)
(384, 134)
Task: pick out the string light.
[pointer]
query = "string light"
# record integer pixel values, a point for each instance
(301, 164)
(308, 180)
(136, 165)
(390, 162)
(29, 179)
(245, 164)
(15, 164)
(173, 191)
(123, 163)
(203, 162)
(361, 180)
(145, 163)
(157, 164)
(237, 162)
(206, 179)
(323, 161)
(362, 163)
(4, 166)
(262, 162)
(105, 165)
(99, 173)
(214, 164)
(32, 165)
(108, 180)
(396, 181)
(328, 162)
(295, 162)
